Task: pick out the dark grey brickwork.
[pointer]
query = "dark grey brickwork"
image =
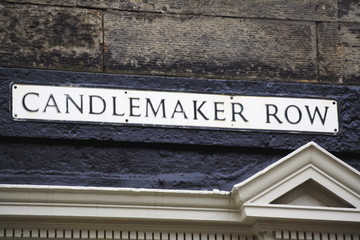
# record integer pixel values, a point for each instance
(84, 163)
(111, 164)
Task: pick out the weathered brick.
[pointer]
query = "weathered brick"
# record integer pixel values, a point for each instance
(209, 46)
(50, 37)
(350, 10)
(339, 52)
(278, 9)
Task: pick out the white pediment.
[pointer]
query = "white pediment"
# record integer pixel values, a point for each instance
(309, 183)
(311, 193)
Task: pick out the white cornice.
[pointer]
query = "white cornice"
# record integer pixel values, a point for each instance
(286, 212)
(56, 201)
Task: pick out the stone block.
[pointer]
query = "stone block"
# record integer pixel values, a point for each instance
(50, 37)
(209, 46)
(350, 10)
(318, 10)
(46, 2)
(339, 52)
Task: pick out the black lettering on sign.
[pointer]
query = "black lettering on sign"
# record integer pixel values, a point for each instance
(54, 104)
(161, 105)
(91, 104)
(24, 102)
(198, 110)
(287, 114)
(239, 112)
(315, 113)
(114, 108)
(132, 107)
(80, 108)
(181, 110)
(272, 114)
(218, 110)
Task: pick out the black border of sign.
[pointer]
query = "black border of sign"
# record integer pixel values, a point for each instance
(81, 85)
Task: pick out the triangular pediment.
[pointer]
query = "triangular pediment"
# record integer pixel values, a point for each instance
(308, 179)
(311, 193)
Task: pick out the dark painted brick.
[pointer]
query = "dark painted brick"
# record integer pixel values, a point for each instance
(84, 163)
(318, 10)
(128, 165)
(339, 52)
(348, 98)
(209, 47)
(50, 37)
